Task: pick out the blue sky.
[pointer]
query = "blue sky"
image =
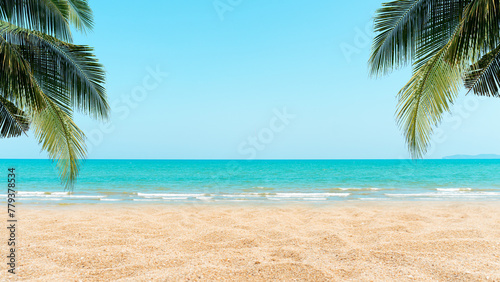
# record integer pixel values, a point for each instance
(252, 79)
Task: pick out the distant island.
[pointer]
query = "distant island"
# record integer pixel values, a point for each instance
(475, 157)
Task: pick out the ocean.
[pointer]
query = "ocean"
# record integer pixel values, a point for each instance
(269, 181)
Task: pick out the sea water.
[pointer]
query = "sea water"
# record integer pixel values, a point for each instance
(212, 181)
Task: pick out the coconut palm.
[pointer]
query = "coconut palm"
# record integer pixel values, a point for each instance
(44, 78)
(448, 44)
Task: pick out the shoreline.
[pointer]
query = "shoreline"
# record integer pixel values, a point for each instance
(263, 204)
(407, 241)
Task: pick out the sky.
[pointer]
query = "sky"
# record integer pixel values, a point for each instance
(239, 79)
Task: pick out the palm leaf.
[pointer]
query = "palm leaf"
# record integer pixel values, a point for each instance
(17, 82)
(398, 24)
(47, 16)
(425, 98)
(81, 73)
(45, 75)
(62, 139)
(412, 30)
(60, 75)
(483, 77)
(479, 32)
(13, 121)
(80, 14)
(441, 25)
(63, 69)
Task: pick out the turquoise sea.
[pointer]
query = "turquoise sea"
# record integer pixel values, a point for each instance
(212, 181)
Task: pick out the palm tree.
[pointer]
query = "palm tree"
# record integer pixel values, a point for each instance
(448, 43)
(44, 78)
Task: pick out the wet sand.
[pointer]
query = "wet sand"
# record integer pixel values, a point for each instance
(393, 241)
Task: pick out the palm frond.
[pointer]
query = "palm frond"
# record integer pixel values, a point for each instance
(425, 98)
(80, 15)
(398, 24)
(62, 139)
(483, 77)
(412, 30)
(81, 73)
(440, 27)
(13, 121)
(61, 75)
(17, 82)
(47, 16)
(441, 38)
(64, 70)
(45, 77)
(479, 32)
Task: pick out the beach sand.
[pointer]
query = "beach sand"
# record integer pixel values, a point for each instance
(415, 241)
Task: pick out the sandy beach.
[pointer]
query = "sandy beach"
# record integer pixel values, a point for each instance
(414, 241)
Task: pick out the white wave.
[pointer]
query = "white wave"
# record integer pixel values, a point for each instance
(157, 195)
(314, 199)
(31, 193)
(59, 193)
(111, 200)
(255, 194)
(453, 189)
(235, 200)
(146, 200)
(446, 194)
(174, 198)
(43, 199)
(304, 195)
(204, 198)
(360, 189)
(251, 195)
(40, 194)
(85, 196)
